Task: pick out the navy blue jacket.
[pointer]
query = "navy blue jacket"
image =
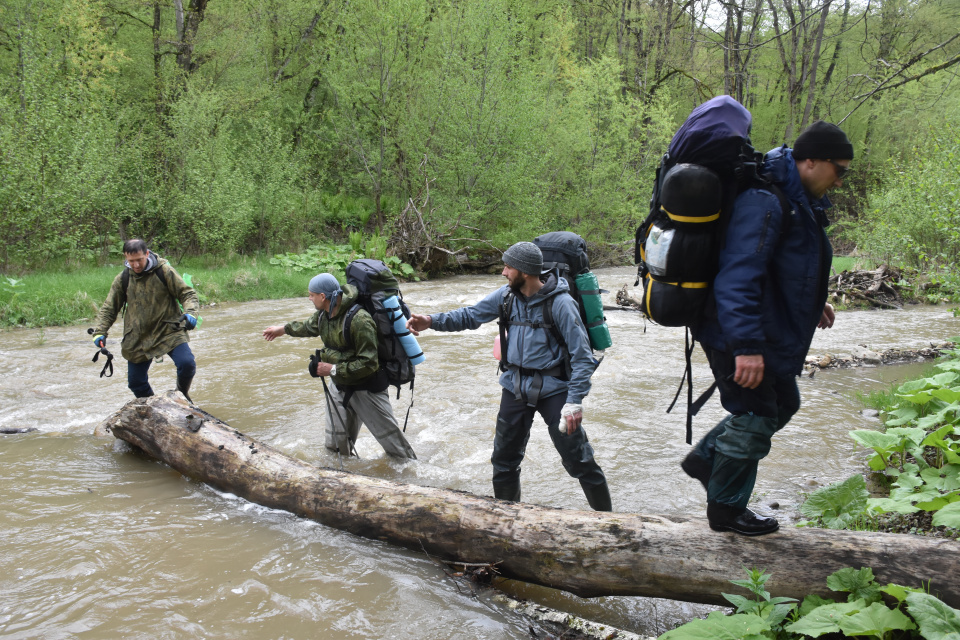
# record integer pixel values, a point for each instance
(774, 266)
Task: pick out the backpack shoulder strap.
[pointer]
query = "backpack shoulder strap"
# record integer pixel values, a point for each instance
(503, 321)
(125, 282)
(555, 330)
(347, 322)
(548, 321)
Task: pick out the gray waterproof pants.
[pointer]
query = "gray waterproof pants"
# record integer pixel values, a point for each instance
(371, 408)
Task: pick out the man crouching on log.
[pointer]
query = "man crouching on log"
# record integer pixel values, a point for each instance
(358, 389)
(543, 372)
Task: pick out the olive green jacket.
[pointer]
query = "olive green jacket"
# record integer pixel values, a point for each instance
(354, 365)
(150, 303)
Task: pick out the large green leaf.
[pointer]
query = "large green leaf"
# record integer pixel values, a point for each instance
(720, 627)
(875, 620)
(946, 478)
(918, 397)
(813, 601)
(859, 583)
(913, 434)
(879, 442)
(899, 591)
(948, 516)
(950, 396)
(944, 415)
(825, 618)
(936, 620)
(944, 379)
(912, 386)
(838, 503)
(901, 416)
(892, 505)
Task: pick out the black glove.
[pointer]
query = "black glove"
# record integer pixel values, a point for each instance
(312, 366)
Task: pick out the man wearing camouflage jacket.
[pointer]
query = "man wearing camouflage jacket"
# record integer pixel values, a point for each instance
(358, 393)
(153, 324)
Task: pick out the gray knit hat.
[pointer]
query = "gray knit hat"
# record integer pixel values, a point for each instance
(326, 284)
(524, 257)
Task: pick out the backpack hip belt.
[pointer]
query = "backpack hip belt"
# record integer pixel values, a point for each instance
(536, 387)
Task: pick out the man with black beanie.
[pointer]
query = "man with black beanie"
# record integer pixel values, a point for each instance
(770, 296)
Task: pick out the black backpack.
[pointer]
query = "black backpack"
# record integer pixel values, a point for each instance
(708, 163)
(566, 252)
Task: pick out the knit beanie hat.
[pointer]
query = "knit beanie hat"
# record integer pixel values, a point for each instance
(525, 257)
(325, 284)
(823, 141)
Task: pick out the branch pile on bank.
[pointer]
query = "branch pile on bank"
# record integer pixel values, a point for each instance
(878, 288)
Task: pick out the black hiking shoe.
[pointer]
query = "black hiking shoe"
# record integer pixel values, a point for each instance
(697, 468)
(743, 521)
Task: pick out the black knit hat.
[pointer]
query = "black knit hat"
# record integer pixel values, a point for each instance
(823, 141)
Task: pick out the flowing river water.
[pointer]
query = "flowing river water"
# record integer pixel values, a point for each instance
(100, 542)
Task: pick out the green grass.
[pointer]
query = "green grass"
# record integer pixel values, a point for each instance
(72, 296)
(847, 263)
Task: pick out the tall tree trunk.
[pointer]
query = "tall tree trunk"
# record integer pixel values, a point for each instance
(583, 552)
(188, 23)
(814, 64)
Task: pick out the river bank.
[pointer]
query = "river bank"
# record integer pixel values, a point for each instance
(71, 294)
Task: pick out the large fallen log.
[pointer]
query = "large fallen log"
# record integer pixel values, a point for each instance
(583, 552)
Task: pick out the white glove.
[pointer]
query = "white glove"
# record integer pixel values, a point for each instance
(570, 410)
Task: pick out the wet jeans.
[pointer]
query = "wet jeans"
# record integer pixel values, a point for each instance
(736, 445)
(513, 431)
(181, 355)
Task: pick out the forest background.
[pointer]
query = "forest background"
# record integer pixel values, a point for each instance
(439, 127)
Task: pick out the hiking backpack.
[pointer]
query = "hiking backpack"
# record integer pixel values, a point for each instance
(708, 163)
(397, 349)
(567, 252)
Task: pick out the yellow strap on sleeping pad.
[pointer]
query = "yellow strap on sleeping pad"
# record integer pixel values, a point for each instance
(694, 219)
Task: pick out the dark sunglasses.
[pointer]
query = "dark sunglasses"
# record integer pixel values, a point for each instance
(841, 170)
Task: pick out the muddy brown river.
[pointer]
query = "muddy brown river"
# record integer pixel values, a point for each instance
(100, 542)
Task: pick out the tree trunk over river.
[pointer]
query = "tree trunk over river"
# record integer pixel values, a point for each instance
(583, 552)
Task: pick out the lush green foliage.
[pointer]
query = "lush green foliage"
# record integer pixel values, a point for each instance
(318, 258)
(916, 615)
(267, 126)
(918, 454)
(915, 221)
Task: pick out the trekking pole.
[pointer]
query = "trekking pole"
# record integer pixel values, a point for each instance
(332, 409)
(108, 365)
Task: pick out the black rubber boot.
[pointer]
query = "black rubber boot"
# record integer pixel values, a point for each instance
(598, 495)
(184, 388)
(507, 490)
(723, 517)
(697, 468)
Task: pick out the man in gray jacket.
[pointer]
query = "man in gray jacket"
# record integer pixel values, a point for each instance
(546, 362)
